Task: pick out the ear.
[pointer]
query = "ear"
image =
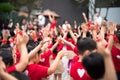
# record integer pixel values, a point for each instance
(87, 52)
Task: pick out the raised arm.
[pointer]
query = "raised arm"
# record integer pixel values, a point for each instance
(21, 42)
(102, 35)
(68, 43)
(35, 50)
(110, 73)
(54, 66)
(111, 38)
(55, 45)
(79, 30)
(84, 16)
(72, 34)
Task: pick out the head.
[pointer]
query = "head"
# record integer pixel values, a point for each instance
(24, 21)
(19, 75)
(5, 33)
(68, 35)
(94, 64)
(31, 46)
(6, 55)
(117, 34)
(24, 27)
(86, 45)
(97, 14)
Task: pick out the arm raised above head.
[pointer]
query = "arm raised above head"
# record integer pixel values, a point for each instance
(54, 66)
(21, 42)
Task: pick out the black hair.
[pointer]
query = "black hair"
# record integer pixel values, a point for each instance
(118, 28)
(84, 44)
(94, 64)
(6, 54)
(118, 35)
(87, 34)
(55, 51)
(53, 42)
(64, 20)
(31, 45)
(68, 35)
(19, 75)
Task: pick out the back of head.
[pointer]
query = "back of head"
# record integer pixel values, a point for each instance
(68, 35)
(84, 44)
(31, 45)
(6, 54)
(19, 76)
(94, 64)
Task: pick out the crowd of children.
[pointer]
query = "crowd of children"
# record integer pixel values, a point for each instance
(32, 52)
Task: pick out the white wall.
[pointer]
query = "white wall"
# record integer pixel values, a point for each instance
(113, 14)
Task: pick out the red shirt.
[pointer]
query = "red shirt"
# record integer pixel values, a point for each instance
(50, 45)
(75, 59)
(11, 69)
(76, 50)
(78, 72)
(116, 58)
(36, 72)
(45, 58)
(69, 40)
(53, 25)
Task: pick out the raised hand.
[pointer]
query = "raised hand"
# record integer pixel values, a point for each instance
(22, 38)
(112, 27)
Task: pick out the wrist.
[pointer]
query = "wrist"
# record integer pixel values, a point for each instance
(22, 46)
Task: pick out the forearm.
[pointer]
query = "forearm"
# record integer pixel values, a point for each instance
(110, 42)
(24, 53)
(72, 35)
(84, 35)
(23, 59)
(65, 35)
(94, 35)
(79, 32)
(34, 51)
(54, 66)
(6, 76)
(69, 43)
(54, 46)
(102, 33)
(110, 73)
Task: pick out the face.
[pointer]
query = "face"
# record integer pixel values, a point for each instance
(5, 33)
(24, 27)
(66, 22)
(97, 14)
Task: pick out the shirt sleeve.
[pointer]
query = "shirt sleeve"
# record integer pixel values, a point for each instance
(42, 71)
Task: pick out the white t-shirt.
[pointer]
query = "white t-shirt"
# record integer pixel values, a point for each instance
(41, 20)
(97, 20)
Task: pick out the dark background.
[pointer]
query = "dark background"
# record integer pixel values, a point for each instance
(67, 9)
